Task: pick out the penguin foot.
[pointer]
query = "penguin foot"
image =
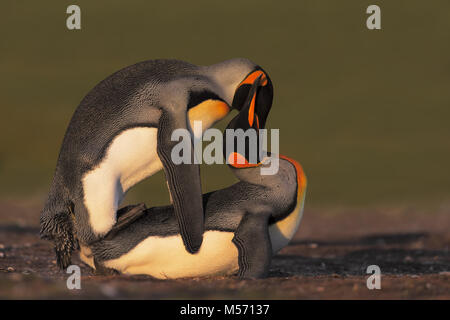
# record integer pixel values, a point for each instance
(252, 240)
(59, 229)
(101, 270)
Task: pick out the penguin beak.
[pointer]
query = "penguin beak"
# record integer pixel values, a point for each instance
(253, 117)
(248, 121)
(250, 79)
(262, 99)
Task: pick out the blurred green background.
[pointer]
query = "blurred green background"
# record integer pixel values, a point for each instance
(366, 112)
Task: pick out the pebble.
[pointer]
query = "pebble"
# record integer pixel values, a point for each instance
(109, 291)
(408, 259)
(16, 277)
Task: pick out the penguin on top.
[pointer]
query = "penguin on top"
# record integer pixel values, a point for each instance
(120, 134)
(245, 223)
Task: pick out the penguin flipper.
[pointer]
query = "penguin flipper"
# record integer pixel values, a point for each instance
(125, 217)
(184, 183)
(254, 246)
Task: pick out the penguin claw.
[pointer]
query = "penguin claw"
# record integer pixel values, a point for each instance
(63, 238)
(63, 250)
(63, 260)
(101, 270)
(246, 276)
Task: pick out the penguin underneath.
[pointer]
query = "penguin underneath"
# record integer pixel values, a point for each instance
(121, 133)
(245, 224)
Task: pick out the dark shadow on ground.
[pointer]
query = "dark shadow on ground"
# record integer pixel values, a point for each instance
(375, 239)
(352, 257)
(18, 229)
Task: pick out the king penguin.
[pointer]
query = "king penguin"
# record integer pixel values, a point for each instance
(245, 224)
(121, 133)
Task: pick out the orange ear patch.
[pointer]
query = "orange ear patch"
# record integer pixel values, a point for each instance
(253, 76)
(301, 178)
(209, 112)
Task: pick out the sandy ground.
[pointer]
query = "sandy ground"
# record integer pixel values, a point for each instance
(327, 259)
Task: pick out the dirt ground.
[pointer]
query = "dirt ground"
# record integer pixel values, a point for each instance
(327, 259)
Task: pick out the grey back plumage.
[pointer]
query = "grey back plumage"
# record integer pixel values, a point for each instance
(275, 195)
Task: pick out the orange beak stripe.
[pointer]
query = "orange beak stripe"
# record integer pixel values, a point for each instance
(251, 111)
(253, 76)
(238, 161)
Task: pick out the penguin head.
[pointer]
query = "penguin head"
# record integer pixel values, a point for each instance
(264, 94)
(242, 143)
